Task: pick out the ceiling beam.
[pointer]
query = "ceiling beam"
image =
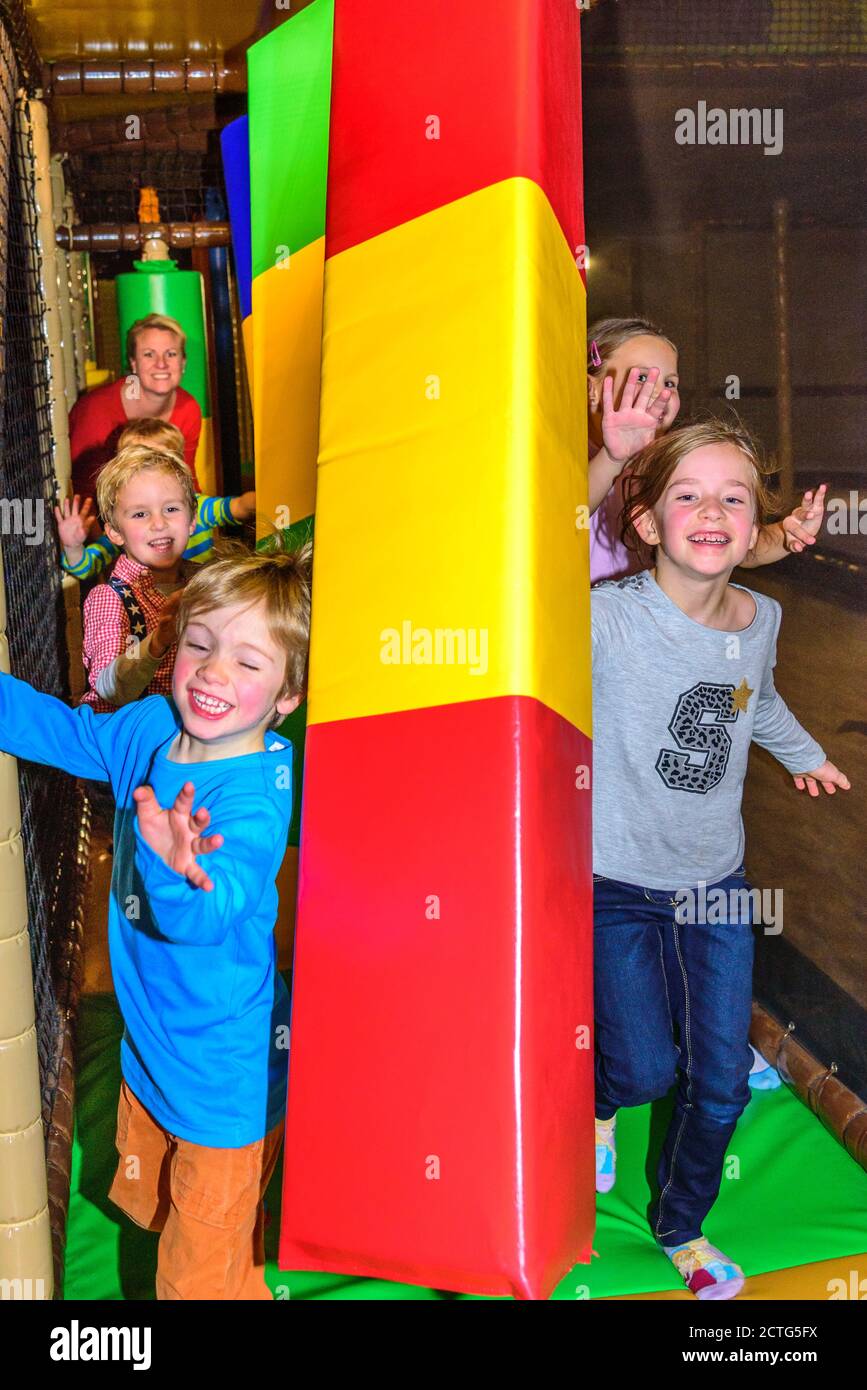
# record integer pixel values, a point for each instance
(132, 236)
(138, 76)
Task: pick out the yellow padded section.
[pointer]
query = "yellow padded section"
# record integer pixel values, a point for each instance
(452, 462)
(287, 339)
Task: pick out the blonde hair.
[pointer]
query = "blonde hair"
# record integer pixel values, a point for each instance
(161, 321)
(651, 469)
(134, 459)
(158, 434)
(278, 576)
(610, 334)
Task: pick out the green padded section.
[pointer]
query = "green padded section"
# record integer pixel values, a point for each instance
(107, 1255)
(289, 101)
(799, 1199)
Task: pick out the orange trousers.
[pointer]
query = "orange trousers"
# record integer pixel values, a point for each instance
(206, 1203)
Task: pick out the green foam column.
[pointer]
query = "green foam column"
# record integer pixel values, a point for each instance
(159, 287)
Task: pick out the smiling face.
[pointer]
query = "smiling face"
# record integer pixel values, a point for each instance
(152, 519)
(705, 520)
(229, 680)
(643, 351)
(158, 362)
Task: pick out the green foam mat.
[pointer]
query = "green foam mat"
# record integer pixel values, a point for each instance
(792, 1196)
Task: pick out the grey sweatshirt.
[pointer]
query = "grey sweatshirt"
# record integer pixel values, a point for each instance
(675, 707)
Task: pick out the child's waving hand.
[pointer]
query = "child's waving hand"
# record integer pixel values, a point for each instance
(828, 776)
(176, 834)
(803, 525)
(73, 522)
(165, 634)
(632, 425)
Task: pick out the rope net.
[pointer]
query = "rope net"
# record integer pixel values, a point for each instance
(798, 29)
(107, 187)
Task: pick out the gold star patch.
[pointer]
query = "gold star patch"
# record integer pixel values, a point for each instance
(741, 697)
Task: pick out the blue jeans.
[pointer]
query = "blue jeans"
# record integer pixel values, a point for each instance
(673, 1002)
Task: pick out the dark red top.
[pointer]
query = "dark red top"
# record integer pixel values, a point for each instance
(97, 420)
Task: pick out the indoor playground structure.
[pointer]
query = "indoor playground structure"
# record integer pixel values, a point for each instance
(369, 216)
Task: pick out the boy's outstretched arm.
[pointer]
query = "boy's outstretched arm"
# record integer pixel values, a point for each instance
(44, 730)
(226, 511)
(791, 535)
(188, 904)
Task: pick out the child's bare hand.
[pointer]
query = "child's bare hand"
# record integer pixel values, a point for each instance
(176, 834)
(631, 426)
(166, 631)
(827, 776)
(74, 520)
(803, 525)
(243, 508)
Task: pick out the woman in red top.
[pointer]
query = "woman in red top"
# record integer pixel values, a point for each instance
(156, 351)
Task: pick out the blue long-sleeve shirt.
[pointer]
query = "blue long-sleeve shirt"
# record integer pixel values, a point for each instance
(205, 1011)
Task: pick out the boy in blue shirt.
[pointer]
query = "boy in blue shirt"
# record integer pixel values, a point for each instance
(204, 1051)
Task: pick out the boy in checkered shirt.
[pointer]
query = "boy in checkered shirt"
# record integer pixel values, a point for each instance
(129, 622)
(147, 501)
(77, 525)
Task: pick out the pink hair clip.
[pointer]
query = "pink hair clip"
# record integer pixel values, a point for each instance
(594, 354)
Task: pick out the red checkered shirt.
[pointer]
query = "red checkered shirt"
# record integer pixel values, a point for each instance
(107, 628)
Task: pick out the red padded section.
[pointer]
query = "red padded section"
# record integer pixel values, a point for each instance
(502, 76)
(450, 1040)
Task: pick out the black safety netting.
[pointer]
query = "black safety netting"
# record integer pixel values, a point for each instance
(797, 29)
(51, 804)
(107, 186)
